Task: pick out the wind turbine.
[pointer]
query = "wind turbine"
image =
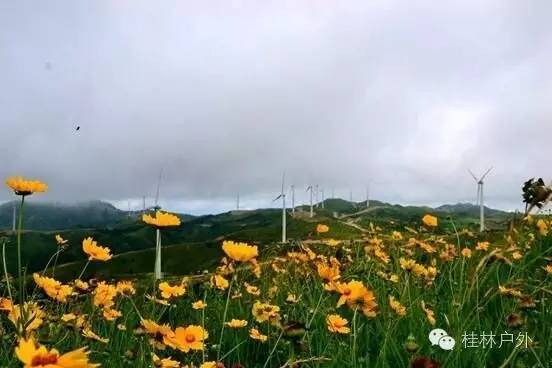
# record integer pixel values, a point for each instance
(322, 193)
(480, 200)
(367, 195)
(14, 215)
(316, 196)
(238, 202)
(283, 196)
(309, 189)
(157, 268)
(293, 199)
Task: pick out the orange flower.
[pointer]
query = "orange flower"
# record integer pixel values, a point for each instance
(168, 291)
(94, 251)
(337, 324)
(321, 228)
(188, 338)
(466, 253)
(23, 187)
(161, 219)
(430, 221)
(33, 355)
(104, 295)
(240, 252)
(256, 335)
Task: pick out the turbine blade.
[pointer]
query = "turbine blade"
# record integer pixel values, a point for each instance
(486, 172)
(275, 199)
(473, 175)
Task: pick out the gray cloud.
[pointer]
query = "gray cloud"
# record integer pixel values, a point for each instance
(225, 96)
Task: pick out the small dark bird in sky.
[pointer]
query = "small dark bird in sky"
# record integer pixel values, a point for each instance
(78, 128)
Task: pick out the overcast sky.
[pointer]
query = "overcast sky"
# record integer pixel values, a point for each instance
(226, 95)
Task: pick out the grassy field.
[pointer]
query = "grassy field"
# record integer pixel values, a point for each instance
(420, 277)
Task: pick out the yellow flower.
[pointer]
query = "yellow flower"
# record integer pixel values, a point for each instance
(199, 305)
(33, 355)
(253, 290)
(24, 187)
(337, 324)
(332, 242)
(94, 251)
(219, 282)
(111, 314)
(161, 219)
(60, 240)
(168, 291)
(517, 255)
(430, 315)
(265, 312)
(156, 330)
(397, 307)
(165, 362)
(321, 228)
(328, 273)
(482, 246)
(466, 253)
(82, 285)
(543, 227)
(256, 335)
(6, 304)
(89, 334)
(68, 317)
(396, 235)
(430, 221)
(240, 252)
(407, 264)
(210, 364)
(354, 293)
(33, 313)
(548, 268)
(53, 288)
(236, 323)
(104, 295)
(292, 298)
(125, 287)
(188, 338)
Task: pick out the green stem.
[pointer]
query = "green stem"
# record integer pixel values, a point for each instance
(19, 263)
(84, 269)
(354, 337)
(6, 269)
(224, 316)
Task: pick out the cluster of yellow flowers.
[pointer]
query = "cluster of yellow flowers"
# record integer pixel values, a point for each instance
(53, 288)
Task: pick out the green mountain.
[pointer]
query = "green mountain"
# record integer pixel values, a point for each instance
(196, 243)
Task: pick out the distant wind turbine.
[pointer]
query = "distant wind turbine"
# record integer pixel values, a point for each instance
(238, 201)
(480, 198)
(367, 195)
(316, 191)
(14, 215)
(322, 193)
(309, 189)
(283, 196)
(157, 269)
(293, 199)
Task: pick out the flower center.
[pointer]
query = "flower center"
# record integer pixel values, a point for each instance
(190, 338)
(347, 291)
(42, 360)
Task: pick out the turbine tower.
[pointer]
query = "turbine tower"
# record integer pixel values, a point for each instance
(368, 196)
(14, 215)
(316, 191)
(309, 189)
(283, 196)
(293, 199)
(238, 201)
(480, 200)
(157, 267)
(322, 193)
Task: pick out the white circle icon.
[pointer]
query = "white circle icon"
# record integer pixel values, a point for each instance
(446, 343)
(436, 334)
